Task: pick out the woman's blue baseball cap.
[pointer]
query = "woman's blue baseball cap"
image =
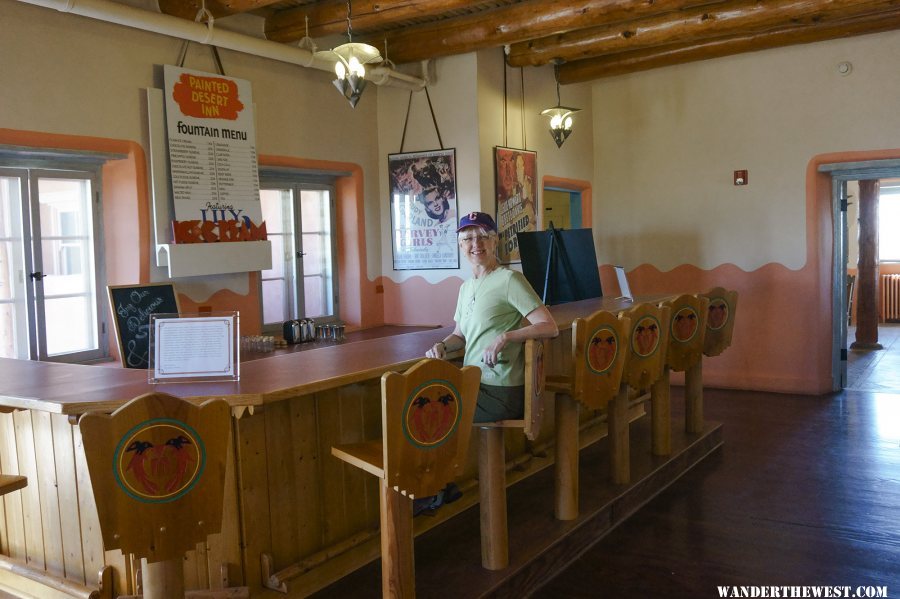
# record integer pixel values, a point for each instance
(477, 219)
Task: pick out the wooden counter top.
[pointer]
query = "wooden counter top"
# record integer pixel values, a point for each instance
(75, 389)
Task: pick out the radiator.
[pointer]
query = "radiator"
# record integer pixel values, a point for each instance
(890, 297)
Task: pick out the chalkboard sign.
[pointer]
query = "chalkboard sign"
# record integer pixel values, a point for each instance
(131, 307)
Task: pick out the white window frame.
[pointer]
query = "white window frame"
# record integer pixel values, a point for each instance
(29, 168)
(297, 181)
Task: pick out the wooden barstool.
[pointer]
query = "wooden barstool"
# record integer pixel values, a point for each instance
(687, 332)
(599, 349)
(12, 482)
(719, 328)
(649, 340)
(426, 421)
(492, 460)
(157, 467)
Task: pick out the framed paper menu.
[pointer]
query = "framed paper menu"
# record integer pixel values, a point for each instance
(189, 348)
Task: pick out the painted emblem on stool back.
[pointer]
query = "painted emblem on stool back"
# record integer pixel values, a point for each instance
(718, 313)
(684, 325)
(645, 336)
(159, 460)
(602, 349)
(431, 414)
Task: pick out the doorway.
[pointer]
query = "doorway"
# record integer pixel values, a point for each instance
(844, 210)
(562, 207)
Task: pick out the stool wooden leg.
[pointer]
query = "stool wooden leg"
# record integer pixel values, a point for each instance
(617, 420)
(492, 490)
(566, 466)
(661, 415)
(398, 577)
(162, 580)
(693, 398)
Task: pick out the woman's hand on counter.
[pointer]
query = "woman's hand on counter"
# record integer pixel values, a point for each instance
(438, 350)
(454, 342)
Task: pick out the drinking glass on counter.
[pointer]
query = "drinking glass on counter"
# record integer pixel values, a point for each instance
(258, 343)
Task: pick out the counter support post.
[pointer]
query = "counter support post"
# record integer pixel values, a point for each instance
(693, 398)
(661, 414)
(619, 452)
(566, 505)
(398, 578)
(492, 491)
(162, 580)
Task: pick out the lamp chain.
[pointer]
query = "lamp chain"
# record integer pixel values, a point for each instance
(349, 23)
(556, 75)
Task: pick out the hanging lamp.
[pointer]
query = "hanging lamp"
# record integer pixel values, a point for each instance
(560, 116)
(349, 63)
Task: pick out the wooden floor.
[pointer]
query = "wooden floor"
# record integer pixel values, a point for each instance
(875, 370)
(805, 491)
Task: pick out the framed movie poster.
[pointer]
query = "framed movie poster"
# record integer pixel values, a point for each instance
(423, 209)
(514, 181)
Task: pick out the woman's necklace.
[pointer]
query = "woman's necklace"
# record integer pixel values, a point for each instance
(478, 287)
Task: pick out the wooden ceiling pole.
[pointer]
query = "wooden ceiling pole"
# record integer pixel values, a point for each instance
(188, 9)
(651, 58)
(700, 23)
(330, 16)
(517, 22)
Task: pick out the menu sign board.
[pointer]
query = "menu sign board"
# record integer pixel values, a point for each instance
(212, 157)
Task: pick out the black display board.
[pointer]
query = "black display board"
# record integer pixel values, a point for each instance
(131, 307)
(560, 264)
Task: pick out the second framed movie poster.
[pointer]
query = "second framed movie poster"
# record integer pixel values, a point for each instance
(423, 209)
(514, 175)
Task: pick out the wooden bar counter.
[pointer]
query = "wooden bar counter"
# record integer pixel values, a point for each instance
(295, 518)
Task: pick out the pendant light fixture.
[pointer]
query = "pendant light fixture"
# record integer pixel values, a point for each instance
(349, 60)
(560, 116)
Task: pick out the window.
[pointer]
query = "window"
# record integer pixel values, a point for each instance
(49, 306)
(299, 216)
(889, 221)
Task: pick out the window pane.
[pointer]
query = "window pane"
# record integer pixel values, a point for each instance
(273, 301)
(889, 224)
(313, 209)
(317, 260)
(314, 293)
(278, 214)
(67, 262)
(314, 254)
(65, 268)
(278, 256)
(13, 315)
(273, 203)
(70, 324)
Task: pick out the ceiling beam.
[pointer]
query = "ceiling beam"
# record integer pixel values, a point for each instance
(188, 9)
(518, 22)
(743, 17)
(330, 16)
(663, 56)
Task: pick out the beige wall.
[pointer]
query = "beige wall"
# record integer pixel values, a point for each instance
(77, 76)
(452, 92)
(668, 140)
(574, 160)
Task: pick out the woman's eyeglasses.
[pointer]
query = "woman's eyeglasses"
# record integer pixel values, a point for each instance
(470, 239)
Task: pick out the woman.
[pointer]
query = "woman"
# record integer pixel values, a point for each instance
(488, 316)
